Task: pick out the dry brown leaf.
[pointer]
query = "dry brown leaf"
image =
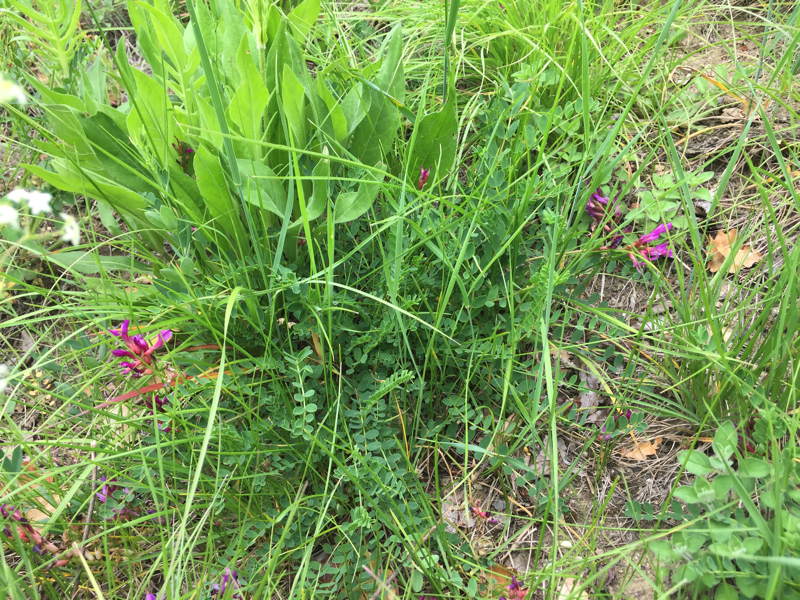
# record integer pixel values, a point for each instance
(317, 346)
(498, 576)
(641, 450)
(720, 248)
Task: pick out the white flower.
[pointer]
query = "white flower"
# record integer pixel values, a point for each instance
(72, 231)
(11, 92)
(3, 377)
(9, 215)
(17, 195)
(38, 202)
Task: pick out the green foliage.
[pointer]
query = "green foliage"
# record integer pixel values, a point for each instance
(51, 27)
(350, 353)
(742, 513)
(662, 203)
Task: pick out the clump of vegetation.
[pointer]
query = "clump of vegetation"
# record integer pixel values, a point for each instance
(399, 300)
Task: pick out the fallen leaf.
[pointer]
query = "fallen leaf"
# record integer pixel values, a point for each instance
(641, 450)
(720, 248)
(498, 576)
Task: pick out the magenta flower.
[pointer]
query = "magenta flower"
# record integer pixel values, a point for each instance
(517, 592)
(603, 211)
(485, 515)
(229, 576)
(138, 349)
(649, 253)
(423, 177)
(105, 490)
(655, 234)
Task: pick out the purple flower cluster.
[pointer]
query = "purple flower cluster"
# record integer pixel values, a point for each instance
(138, 349)
(607, 436)
(650, 253)
(515, 589)
(106, 493)
(423, 177)
(485, 515)
(141, 355)
(607, 214)
(229, 577)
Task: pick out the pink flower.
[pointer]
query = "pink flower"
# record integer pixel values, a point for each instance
(603, 211)
(105, 490)
(649, 253)
(655, 234)
(485, 515)
(423, 177)
(517, 592)
(229, 576)
(137, 348)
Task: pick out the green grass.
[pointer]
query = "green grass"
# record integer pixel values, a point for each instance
(449, 348)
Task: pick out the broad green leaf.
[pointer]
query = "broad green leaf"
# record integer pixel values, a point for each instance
(302, 18)
(91, 185)
(687, 494)
(321, 188)
(293, 97)
(115, 158)
(210, 123)
(214, 189)
(435, 143)
(262, 187)
(249, 102)
(695, 462)
(231, 33)
(663, 550)
(703, 490)
(751, 545)
(725, 440)
(91, 263)
(726, 591)
(145, 41)
(722, 486)
(390, 76)
(351, 205)
(66, 127)
(335, 118)
(92, 83)
(151, 125)
(753, 467)
(355, 105)
(374, 136)
(167, 33)
(186, 194)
